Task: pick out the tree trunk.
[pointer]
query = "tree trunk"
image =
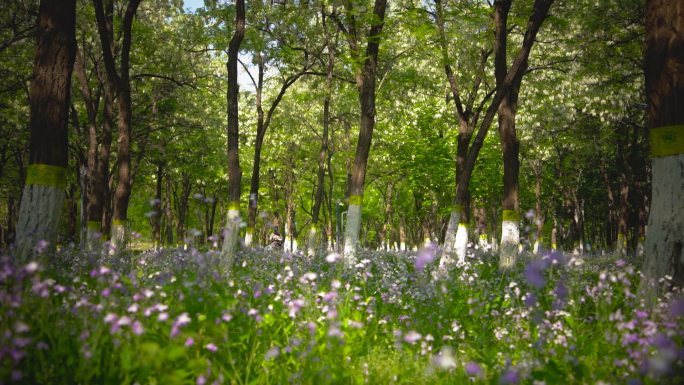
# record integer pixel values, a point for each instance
(663, 64)
(121, 82)
(510, 231)
(538, 217)
(156, 214)
(231, 233)
(43, 195)
(365, 82)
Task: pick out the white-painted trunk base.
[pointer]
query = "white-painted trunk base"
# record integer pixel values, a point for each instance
(249, 237)
(537, 247)
(351, 234)
(450, 240)
(510, 240)
(461, 246)
(118, 239)
(483, 243)
(39, 214)
(402, 246)
(311, 242)
(452, 229)
(93, 240)
(231, 240)
(664, 244)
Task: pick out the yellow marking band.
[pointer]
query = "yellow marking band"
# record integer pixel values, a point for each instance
(511, 215)
(119, 222)
(458, 208)
(46, 175)
(250, 230)
(554, 246)
(313, 228)
(94, 225)
(464, 225)
(355, 200)
(234, 206)
(483, 236)
(666, 141)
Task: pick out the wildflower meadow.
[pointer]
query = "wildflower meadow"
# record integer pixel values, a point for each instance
(171, 317)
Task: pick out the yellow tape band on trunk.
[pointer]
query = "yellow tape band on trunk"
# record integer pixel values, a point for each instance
(119, 222)
(234, 206)
(94, 225)
(666, 141)
(250, 230)
(464, 225)
(458, 208)
(355, 200)
(511, 215)
(483, 236)
(46, 175)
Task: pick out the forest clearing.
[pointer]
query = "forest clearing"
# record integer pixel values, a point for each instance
(342, 192)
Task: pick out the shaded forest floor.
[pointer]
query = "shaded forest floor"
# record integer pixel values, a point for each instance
(281, 318)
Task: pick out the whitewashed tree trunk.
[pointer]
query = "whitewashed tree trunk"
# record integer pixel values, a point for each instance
(351, 234)
(621, 246)
(450, 239)
(93, 236)
(39, 214)
(484, 244)
(510, 238)
(461, 242)
(119, 238)
(249, 236)
(537, 246)
(231, 239)
(311, 241)
(452, 228)
(664, 245)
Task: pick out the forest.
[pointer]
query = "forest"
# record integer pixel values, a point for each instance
(342, 192)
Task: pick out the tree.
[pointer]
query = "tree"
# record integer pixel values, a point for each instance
(120, 81)
(43, 196)
(457, 237)
(365, 83)
(231, 233)
(277, 30)
(664, 73)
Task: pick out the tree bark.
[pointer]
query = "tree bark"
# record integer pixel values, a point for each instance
(44, 191)
(231, 233)
(664, 71)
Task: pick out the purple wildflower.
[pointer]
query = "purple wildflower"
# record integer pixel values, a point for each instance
(425, 256)
(510, 377)
(534, 273)
(473, 369)
(211, 347)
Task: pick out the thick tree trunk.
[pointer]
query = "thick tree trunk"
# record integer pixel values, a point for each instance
(365, 82)
(663, 68)
(231, 232)
(43, 194)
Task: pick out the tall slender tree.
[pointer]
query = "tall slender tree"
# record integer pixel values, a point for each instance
(365, 83)
(664, 72)
(120, 81)
(232, 231)
(44, 191)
